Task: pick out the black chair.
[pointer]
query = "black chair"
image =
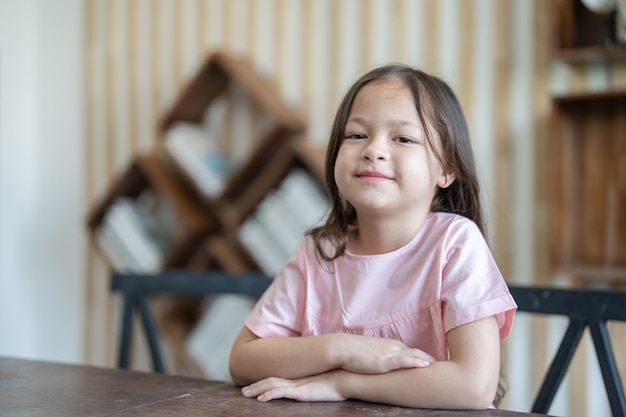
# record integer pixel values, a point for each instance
(584, 307)
(136, 288)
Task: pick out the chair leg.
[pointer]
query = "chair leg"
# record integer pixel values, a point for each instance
(126, 332)
(151, 334)
(559, 366)
(608, 366)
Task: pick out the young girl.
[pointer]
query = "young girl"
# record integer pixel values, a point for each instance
(397, 298)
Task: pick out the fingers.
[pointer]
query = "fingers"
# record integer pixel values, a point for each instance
(316, 388)
(399, 362)
(410, 358)
(275, 393)
(404, 359)
(271, 389)
(388, 361)
(417, 358)
(419, 354)
(261, 387)
(373, 355)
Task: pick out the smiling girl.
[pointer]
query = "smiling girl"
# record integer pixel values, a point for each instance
(396, 298)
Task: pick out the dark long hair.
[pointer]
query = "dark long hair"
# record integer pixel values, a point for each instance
(435, 103)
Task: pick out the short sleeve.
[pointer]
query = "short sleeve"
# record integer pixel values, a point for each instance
(472, 285)
(279, 311)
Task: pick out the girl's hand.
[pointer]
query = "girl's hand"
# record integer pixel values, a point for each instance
(375, 355)
(322, 387)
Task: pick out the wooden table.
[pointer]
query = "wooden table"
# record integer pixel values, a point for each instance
(32, 388)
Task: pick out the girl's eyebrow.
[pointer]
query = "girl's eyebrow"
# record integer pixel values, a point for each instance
(392, 123)
(400, 123)
(359, 120)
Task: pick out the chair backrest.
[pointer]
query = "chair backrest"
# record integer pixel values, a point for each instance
(584, 307)
(135, 289)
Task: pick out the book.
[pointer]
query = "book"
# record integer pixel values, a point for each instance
(261, 246)
(110, 247)
(279, 223)
(198, 155)
(303, 198)
(213, 336)
(116, 247)
(276, 228)
(129, 226)
(160, 220)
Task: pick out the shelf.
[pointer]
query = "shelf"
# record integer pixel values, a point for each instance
(149, 172)
(216, 252)
(213, 78)
(582, 55)
(213, 195)
(588, 176)
(266, 219)
(589, 97)
(264, 173)
(580, 34)
(230, 79)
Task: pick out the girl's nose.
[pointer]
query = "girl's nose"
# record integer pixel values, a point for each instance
(375, 150)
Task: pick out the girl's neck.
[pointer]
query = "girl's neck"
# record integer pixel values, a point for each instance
(377, 236)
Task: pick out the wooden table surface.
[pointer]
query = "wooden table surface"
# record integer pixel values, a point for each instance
(33, 388)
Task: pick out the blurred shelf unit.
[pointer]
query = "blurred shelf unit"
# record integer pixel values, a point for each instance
(181, 315)
(267, 222)
(148, 221)
(225, 123)
(588, 149)
(244, 141)
(582, 35)
(216, 141)
(230, 155)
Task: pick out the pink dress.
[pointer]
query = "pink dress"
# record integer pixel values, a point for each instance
(443, 278)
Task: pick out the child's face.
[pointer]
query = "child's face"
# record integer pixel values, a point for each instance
(385, 166)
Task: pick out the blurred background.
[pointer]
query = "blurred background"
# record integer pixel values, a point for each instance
(85, 84)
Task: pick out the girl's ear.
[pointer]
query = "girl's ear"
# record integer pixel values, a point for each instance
(445, 180)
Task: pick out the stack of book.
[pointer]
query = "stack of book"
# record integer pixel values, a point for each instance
(198, 154)
(127, 237)
(275, 229)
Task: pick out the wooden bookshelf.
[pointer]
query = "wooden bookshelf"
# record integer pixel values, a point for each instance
(237, 208)
(148, 172)
(180, 315)
(212, 81)
(265, 174)
(208, 238)
(588, 177)
(580, 31)
(249, 180)
(589, 193)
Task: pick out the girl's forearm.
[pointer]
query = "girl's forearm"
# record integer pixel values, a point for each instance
(443, 384)
(293, 357)
(253, 359)
(468, 380)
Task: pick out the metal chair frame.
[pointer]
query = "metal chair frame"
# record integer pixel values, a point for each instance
(585, 308)
(136, 288)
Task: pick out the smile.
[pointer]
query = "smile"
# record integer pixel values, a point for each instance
(372, 176)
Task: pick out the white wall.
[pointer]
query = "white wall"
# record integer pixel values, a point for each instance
(41, 219)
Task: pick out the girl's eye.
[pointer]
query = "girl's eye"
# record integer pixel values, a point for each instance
(404, 139)
(355, 136)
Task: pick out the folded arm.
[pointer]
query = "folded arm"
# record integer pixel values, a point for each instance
(253, 358)
(468, 380)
